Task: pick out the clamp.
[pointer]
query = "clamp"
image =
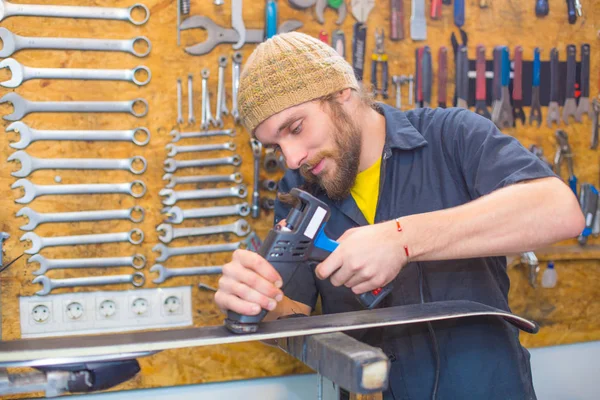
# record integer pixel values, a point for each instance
(339, 5)
(379, 56)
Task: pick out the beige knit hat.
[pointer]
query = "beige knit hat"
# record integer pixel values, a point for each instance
(286, 70)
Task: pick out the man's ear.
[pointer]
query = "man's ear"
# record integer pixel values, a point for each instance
(344, 95)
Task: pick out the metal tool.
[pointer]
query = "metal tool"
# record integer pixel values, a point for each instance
(191, 117)
(595, 123)
(20, 74)
(579, 8)
(271, 19)
(419, 77)
(175, 215)
(359, 45)
(137, 279)
(396, 20)
(320, 7)
(168, 252)
(221, 97)
(480, 84)
(33, 191)
(38, 242)
(237, 23)
(177, 136)
(139, 136)
(535, 114)
(134, 214)
(206, 287)
(588, 200)
(541, 8)
(584, 98)
(518, 112)
(553, 109)
(136, 261)
(563, 152)
(256, 153)
(173, 150)
(13, 43)
(427, 76)
(168, 233)
(179, 103)
(23, 107)
(207, 117)
(505, 119)
(530, 259)
(167, 273)
(459, 13)
(172, 165)
(235, 85)
(418, 23)
(571, 13)
(219, 35)
(3, 236)
(302, 4)
(455, 48)
(379, 56)
(43, 10)
(396, 81)
(570, 106)
(269, 185)
(462, 77)
(442, 76)
(30, 164)
(172, 196)
(361, 9)
(179, 180)
(270, 162)
(267, 203)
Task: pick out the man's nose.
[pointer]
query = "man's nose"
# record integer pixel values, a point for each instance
(294, 156)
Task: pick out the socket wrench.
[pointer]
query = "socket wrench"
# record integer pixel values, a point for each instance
(13, 43)
(168, 252)
(172, 165)
(136, 261)
(29, 135)
(166, 273)
(204, 134)
(30, 164)
(173, 196)
(32, 190)
(175, 215)
(23, 107)
(179, 180)
(240, 228)
(137, 279)
(173, 150)
(134, 214)
(39, 242)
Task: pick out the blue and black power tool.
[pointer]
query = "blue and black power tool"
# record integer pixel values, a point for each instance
(301, 239)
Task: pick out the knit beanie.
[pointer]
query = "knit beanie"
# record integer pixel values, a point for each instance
(286, 70)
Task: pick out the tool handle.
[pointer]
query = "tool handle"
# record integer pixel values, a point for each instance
(447, 2)
(324, 37)
(518, 74)
(427, 70)
(505, 66)
(442, 74)
(554, 75)
(497, 84)
(588, 200)
(436, 9)
(374, 76)
(419, 75)
(459, 13)
(571, 11)
(384, 79)
(480, 93)
(271, 18)
(571, 71)
(372, 299)
(463, 91)
(541, 8)
(359, 38)
(397, 20)
(536, 67)
(585, 70)
(338, 42)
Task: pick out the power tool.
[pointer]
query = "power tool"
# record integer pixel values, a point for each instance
(302, 239)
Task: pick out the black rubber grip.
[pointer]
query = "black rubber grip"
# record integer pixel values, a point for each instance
(585, 70)
(571, 11)
(427, 70)
(571, 71)
(554, 78)
(359, 38)
(463, 91)
(541, 8)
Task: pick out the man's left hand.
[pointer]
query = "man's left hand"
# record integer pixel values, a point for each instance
(367, 258)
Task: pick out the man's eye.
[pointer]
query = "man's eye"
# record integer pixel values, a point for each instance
(296, 130)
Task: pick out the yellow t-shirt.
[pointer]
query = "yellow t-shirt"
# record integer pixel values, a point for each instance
(366, 191)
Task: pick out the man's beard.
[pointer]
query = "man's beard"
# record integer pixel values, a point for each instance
(345, 156)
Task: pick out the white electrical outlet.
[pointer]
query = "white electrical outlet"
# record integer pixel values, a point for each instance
(99, 312)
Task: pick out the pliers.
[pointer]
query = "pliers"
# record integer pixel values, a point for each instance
(563, 151)
(379, 56)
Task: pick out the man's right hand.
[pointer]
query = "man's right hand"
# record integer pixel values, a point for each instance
(248, 284)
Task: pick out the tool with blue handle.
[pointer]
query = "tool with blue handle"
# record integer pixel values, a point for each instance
(588, 200)
(535, 113)
(302, 239)
(271, 19)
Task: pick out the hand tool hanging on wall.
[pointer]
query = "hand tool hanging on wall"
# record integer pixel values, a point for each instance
(442, 76)
(396, 19)
(302, 4)
(236, 59)
(257, 153)
(459, 13)
(535, 113)
(436, 9)
(338, 42)
(553, 108)
(563, 152)
(271, 19)
(427, 74)
(480, 84)
(588, 200)
(571, 14)
(191, 117)
(360, 11)
(595, 123)
(497, 84)
(324, 37)
(584, 80)
(447, 2)
(418, 77)
(339, 5)
(518, 112)
(418, 23)
(570, 107)
(541, 8)
(462, 78)
(379, 56)
(455, 45)
(179, 103)
(505, 119)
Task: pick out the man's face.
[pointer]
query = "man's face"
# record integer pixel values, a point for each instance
(320, 140)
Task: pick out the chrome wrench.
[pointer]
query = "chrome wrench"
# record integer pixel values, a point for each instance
(136, 261)
(23, 107)
(178, 180)
(168, 252)
(256, 152)
(134, 214)
(166, 273)
(173, 150)
(43, 10)
(172, 165)
(21, 73)
(177, 136)
(39, 242)
(191, 117)
(221, 103)
(173, 196)
(179, 103)
(175, 215)
(237, 23)
(13, 43)
(235, 85)
(136, 279)
(29, 135)
(33, 191)
(240, 228)
(30, 164)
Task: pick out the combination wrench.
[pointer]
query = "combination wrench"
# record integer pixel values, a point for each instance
(30, 164)
(179, 103)
(221, 98)
(168, 252)
(23, 107)
(134, 214)
(13, 43)
(173, 150)
(172, 165)
(240, 228)
(21, 73)
(39, 242)
(176, 215)
(136, 261)
(42, 10)
(207, 117)
(137, 279)
(139, 136)
(180, 180)
(177, 136)
(172, 196)
(167, 273)
(135, 189)
(235, 85)
(191, 117)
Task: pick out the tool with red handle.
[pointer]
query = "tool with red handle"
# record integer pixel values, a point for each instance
(517, 94)
(480, 84)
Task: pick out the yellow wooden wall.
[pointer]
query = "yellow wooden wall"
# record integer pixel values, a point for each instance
(568, 313)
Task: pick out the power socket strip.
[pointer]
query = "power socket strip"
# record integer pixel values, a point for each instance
(106, 311)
